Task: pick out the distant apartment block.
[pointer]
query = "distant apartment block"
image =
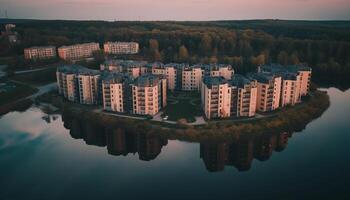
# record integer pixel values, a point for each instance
(38, 53)
(121, 47)
(192, 78)
(216, 97)
(149, 94)
(78, 51)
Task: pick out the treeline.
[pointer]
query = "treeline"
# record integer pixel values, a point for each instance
(326, 49)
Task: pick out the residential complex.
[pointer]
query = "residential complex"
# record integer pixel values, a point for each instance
(43, 52)
(121, 47)
(78, 51)
(138, 87)
(118, 92)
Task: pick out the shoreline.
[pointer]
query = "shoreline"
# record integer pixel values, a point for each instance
(285, 120)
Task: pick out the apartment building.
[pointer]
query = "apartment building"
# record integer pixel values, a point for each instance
(67, 82)
(225, 71)
(116, 92)
(290, 93)
(149, 94)
(78, 51)
(216, 97)
(301, 70)
(169, 71)
(243, 96)
(192, 78)
(269, 91)
(121, 47)
(79, 84)
(44, 52)
(305, 77)
(133, 68)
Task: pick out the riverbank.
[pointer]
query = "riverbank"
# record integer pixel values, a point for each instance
(288, 119)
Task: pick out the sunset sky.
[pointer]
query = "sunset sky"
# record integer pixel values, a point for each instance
(176, 9)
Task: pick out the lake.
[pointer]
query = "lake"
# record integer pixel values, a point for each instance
(51, 157)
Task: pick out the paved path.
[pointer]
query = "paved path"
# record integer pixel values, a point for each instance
(42, 90)
(31, 70)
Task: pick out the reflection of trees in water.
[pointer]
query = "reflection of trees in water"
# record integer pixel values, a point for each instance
(216, 155)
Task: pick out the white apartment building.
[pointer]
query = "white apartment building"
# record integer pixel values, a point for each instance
(44, 52)
(78, 51)
(192, 78)
(121, 47)
(216, 97)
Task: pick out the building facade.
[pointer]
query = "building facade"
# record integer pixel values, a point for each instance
(269, 91)
(121, 47)
(216, 97)
(243, 97)
(192, 78)
(78, 51)
(116, 93)
(149, 94)
(45, 52)
(79, 84)
(225, 71)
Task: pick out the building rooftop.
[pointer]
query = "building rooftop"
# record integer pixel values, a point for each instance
(82, 44)
(214, 81)
(262, 77)
(77, 69)
(147, 80)
(239, 81)
(40, 47)
(115, 78)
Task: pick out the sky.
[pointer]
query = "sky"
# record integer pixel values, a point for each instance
(176, 9)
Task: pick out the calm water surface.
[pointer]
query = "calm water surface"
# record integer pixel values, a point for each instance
(41, 159)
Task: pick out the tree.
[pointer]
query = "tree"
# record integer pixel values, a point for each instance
(282, 58)
(294, 59)
(154, 50)
(183, 54)
(206, 44)
(153, 45)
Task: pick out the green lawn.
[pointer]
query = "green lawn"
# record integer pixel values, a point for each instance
(14, 91)
(41, 77)
(183, 105)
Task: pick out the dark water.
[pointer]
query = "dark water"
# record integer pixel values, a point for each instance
(41, 159)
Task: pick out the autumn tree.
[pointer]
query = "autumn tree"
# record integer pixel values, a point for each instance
(183, 54)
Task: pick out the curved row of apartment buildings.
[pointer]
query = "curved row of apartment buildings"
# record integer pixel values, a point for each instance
(139, 87)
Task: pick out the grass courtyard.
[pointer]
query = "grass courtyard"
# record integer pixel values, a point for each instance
(10, 91)
(183, 105)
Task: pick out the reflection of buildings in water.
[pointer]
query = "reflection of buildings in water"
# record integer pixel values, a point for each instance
(240, 153)
(117, 140)
(215, 155)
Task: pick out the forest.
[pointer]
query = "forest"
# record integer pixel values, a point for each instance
(323, 45)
